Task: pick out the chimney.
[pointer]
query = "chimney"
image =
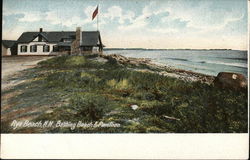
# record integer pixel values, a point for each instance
(75, 45)
(78, 35)
(39, 36)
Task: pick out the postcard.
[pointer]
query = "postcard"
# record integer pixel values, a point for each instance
(104, 72)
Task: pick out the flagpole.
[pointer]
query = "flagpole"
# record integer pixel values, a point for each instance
(97, 17)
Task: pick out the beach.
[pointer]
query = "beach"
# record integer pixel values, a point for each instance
(162, 69)
(209, 62)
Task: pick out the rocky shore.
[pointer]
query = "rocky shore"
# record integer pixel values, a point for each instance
(149, 66)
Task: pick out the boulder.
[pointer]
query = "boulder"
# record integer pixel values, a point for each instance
(230, 80)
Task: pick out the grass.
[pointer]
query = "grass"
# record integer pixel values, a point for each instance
(93, 91)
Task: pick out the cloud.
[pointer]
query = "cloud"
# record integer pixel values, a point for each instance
(31, 17)
(117, 12)
(52, 17)
(55, 18)
(139, 22)
(89, 11)
(153, 9)
(176, 16)
(13, 33)
(7, 12)
(163, 30)
(26, 16)
(135, 22)
(203, 17)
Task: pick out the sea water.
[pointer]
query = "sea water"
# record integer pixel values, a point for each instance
(209, 62)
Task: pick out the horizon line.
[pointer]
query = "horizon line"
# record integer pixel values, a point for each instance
(175, 48)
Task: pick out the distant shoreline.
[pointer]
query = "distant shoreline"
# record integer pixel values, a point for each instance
(107, 49)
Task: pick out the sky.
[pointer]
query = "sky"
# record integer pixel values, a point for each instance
(159, 24)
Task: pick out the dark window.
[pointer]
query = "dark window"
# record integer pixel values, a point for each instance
(33, 48)
(55, 49)
(23, 48)
(46, 48)
(65, 48)
(40, 38)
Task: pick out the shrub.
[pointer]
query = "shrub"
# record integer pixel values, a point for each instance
(145, 96)
(122, 84)
(53, 62)
(90, 107)
(75, 61)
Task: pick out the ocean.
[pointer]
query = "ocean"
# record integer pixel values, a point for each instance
(209, 62)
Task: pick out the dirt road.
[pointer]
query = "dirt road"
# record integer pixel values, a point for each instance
(13, 64)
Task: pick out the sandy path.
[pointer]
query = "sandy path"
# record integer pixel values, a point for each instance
(13, 64)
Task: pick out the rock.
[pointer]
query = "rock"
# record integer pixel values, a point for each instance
(115, 58)
(49, 111)
(229, 80)
(134, 120)
(100, 59)
(134, 107)
(172, 118)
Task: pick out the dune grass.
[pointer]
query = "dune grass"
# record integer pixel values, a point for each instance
(95, 91)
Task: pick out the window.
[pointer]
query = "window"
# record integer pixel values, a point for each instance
(33, 48)
(46, 48)
(55, 49)
(23, 48)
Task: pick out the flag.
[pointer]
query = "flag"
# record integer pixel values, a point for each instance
(95, 13)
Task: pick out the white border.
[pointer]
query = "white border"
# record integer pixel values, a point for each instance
(125, 146)
(248, 57)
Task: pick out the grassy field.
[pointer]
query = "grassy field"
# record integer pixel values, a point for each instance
(77, 88)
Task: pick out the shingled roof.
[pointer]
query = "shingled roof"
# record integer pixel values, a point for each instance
(8, 43)
(89, 38)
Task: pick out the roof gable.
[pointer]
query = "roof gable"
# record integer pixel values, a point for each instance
(43, 35)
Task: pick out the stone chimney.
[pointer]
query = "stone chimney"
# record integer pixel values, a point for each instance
(79, 35)
(41, 30)
(75, 46)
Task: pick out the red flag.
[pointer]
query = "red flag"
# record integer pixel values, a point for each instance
(95, 13)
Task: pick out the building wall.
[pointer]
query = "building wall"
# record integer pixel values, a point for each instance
(6, 51)
(39, 48)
